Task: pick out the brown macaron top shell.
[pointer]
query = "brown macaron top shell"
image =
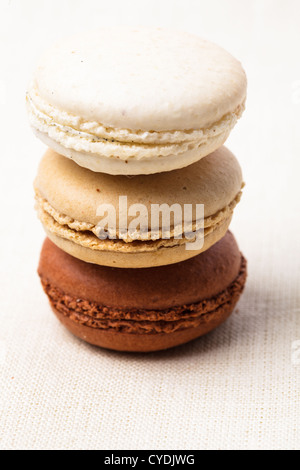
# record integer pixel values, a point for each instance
(191, 281)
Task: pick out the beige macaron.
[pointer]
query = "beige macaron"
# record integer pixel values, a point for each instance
(68, 199)
(129, 101)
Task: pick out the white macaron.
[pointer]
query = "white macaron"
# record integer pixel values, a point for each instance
(132, 101)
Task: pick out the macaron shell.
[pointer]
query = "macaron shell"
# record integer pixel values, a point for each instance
(163, 287)
(131, 166)
(147, 259)
(148, 79)
(125, 342)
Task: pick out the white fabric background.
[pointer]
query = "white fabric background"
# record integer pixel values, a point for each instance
(237, 388)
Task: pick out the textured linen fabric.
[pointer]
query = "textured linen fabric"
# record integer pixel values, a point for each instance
(238, 387)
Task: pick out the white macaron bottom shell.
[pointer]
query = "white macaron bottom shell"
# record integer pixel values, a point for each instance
(147, 166)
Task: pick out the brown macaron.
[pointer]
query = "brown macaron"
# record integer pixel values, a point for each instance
(147, 309)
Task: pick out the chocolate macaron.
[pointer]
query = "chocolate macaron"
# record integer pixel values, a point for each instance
(147, 309)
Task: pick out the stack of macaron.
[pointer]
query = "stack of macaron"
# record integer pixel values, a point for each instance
(136, 118)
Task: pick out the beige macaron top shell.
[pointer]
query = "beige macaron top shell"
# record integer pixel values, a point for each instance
(141, 79)
(214, 181)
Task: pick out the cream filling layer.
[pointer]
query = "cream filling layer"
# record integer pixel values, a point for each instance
(91, 137)
(85, 234)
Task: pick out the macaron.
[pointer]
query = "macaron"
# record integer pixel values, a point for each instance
(129, 101)
(144, 310)
(68, 198)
